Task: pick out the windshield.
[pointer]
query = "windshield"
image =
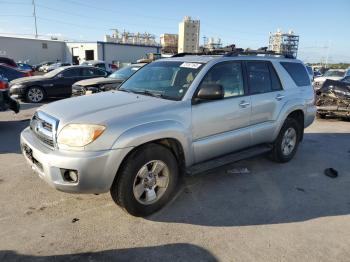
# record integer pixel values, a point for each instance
(332, 73)
(54, 72)
(125, 72)
(168, 79)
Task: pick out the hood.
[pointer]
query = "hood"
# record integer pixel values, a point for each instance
(323, 78)
(97, 81)
(28, 79)
(102, 107)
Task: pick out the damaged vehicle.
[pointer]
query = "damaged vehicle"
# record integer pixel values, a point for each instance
(333, 98)
(102, 84)
(331, 74)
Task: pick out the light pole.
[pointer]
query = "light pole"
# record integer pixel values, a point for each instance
(34, 14)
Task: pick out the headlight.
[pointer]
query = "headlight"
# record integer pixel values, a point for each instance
(79, 135)
(16, 86)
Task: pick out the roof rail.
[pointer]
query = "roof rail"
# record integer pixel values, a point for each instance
(237, 52)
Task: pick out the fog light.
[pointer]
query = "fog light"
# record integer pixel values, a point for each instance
(70, 175)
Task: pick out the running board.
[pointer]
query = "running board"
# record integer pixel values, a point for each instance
(228, 159)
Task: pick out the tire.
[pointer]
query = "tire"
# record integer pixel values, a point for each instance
(132, 188)
(283, 151)
(321, 115)
(35, 94)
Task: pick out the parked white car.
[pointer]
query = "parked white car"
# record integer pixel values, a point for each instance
(332, 74)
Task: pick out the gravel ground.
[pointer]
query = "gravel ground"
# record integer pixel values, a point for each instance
(276, 212)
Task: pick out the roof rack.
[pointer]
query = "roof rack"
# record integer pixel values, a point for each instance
(237, 52)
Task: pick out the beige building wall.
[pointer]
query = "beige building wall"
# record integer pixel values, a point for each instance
(188, 35)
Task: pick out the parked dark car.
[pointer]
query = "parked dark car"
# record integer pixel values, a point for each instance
(11, 73)
(7, 61)
(333, 98)
(102, 84)
(57, 83)
(6, 102)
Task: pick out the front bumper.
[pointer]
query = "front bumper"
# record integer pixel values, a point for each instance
(19, 91)
(96, 170)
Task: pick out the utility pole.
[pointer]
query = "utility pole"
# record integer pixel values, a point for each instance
(34, 14)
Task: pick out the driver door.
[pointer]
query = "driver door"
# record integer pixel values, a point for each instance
(222, 126)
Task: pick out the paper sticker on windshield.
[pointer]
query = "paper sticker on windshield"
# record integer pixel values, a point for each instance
(134, 68)
(190, 65)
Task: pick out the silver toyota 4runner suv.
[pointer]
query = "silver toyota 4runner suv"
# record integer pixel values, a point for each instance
(179, 115)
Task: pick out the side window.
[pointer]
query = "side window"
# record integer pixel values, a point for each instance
(259, 77)
(99, 72)
(297, 72)
(71, 72)
(88, 72)
(229, 75)
(275, 80)
(347, 79)
(102, 66)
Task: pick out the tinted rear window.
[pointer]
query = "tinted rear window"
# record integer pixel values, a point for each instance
(297, 72)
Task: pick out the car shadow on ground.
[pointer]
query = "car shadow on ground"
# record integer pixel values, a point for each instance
(170, 252)
(271, 193)
(10, 135)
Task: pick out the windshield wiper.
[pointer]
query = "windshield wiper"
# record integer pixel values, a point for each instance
(146, 92)
(149, 93)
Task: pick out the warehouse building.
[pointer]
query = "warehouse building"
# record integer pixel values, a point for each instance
(35, 51)
(113, 53)
(32, 50)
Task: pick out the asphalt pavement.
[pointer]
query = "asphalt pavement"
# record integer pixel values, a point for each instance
(253, 210)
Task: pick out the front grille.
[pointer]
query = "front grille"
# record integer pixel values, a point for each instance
(44, 127)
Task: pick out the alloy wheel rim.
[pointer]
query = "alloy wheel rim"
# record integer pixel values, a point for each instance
(151, 182)
(35, 94)
(289, 141)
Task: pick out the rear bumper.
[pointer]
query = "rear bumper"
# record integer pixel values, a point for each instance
(96, 170)
(310, 115)
(7, 102)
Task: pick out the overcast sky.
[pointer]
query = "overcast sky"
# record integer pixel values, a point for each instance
(323, 26)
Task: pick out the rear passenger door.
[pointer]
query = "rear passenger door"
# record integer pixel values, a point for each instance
(65, 80)
(267, 98)
(222, 126)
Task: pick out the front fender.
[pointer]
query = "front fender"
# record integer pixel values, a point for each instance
(152, 131)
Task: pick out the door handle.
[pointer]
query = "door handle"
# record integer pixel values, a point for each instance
(279, 97)
(244, 104)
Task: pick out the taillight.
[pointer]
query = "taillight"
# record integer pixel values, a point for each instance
(28, 74)
(3, 85)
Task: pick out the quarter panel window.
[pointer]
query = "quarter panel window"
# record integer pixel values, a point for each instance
(229, 75)
(297, 72)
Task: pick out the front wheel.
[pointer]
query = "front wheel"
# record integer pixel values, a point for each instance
(287, 141)
(35, 94)
(146, 181)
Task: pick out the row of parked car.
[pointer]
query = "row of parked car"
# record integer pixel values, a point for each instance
(64, 81)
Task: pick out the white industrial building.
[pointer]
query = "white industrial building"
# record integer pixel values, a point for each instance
(188, 35)
(35, 51)
(32, 50)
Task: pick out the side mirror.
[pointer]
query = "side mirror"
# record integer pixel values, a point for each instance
(59, 75)
(210, 92)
